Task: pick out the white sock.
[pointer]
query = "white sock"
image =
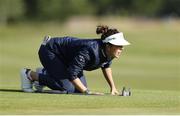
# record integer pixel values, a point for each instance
(29, 75)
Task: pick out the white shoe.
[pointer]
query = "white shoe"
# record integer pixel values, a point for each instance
(39, 88)
(26, 84)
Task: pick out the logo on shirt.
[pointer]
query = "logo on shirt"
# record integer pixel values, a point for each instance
(81, 58)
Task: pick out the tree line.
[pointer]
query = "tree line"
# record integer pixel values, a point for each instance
(44, 10)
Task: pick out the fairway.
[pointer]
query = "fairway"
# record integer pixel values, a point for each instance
(150, 66)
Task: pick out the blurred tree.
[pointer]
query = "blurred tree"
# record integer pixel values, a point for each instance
(53, 9)
(146, 7)
(31, 10)
(62, 9)
(11, 10)
(170, 8)
(81, 7)
(101, 7)
(122, 7)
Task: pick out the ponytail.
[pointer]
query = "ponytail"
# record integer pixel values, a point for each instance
(105, 31)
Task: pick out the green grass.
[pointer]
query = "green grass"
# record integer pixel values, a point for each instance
(142, 102)
(150, 66)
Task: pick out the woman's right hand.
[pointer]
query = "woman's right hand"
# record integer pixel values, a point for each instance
(114, 91)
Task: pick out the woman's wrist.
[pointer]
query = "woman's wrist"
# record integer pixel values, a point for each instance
(113, 87)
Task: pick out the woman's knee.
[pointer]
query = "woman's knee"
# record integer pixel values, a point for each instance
(68, 86)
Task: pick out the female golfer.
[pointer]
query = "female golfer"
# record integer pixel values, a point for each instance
(65, 58)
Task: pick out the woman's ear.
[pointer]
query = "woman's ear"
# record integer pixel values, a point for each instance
(108, 47)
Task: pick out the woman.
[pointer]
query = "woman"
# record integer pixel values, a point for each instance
(65, 58)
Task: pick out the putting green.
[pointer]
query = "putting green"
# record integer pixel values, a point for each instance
(150, 66)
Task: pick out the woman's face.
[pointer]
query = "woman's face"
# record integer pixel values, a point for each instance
(114, 51)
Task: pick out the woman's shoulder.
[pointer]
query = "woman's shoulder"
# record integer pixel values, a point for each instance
(90, 43)
(93, 45)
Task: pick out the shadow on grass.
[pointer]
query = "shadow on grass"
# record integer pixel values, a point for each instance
(10, 90)
(47, 92)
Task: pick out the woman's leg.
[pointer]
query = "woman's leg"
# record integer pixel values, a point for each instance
(54, 67)
(46, 80)
(43, 79)
(57, 72)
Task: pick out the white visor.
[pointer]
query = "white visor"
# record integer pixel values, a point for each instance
(116, 39)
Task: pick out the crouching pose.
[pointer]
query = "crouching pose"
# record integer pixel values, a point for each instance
(65, 58)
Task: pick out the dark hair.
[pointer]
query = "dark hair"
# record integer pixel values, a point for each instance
(105, 31)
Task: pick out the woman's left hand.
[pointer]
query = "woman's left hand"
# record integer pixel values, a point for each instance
(114, 91)
(95, 93)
